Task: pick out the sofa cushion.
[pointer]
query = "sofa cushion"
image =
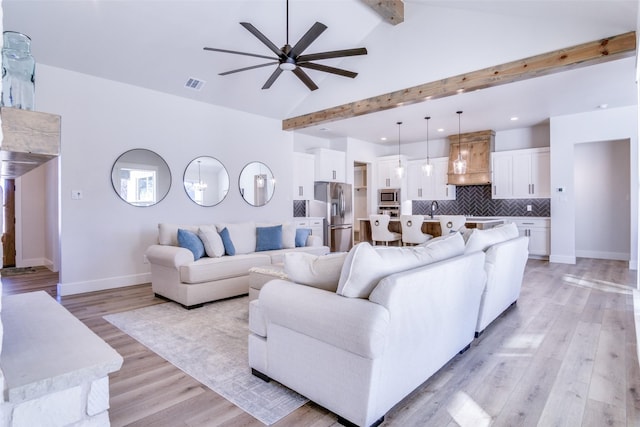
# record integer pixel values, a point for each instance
(269, 238)
(301, 236)
(190, 240)
(277, 257)
(168, 233)
(210, 269)
(243, 236)
(365, 265)
(318, 271)
(229, 248)
(480, 240)
(211, 240)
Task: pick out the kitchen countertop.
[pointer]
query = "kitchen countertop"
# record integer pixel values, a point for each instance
(470, 219)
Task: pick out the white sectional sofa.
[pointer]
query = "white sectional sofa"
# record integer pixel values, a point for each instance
(176, 274)
(394, 318)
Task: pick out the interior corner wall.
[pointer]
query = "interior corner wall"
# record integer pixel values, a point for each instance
(30, 218)
(102, 238)
(566, 132)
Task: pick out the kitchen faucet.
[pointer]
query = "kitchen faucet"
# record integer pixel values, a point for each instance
(432, 209)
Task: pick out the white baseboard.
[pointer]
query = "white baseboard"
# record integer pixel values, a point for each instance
(617, 256)
(562, 259)
(102, 284)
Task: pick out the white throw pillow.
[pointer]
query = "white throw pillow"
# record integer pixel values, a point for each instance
(480, 240)
(321, 272)
(212, 241)
(168, 233)
(243, 236)
(288, 235)
(366, 265)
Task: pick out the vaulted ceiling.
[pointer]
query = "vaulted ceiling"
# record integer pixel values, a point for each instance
(159, 45)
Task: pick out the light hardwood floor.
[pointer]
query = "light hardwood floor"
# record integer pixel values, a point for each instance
(565, 355)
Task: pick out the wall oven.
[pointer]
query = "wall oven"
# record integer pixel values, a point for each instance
(389, 197)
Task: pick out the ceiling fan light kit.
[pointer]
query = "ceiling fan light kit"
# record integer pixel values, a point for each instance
(291, 58)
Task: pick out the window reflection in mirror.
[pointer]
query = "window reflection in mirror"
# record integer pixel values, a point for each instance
(257, 184)
(141, 177)
(206, 181)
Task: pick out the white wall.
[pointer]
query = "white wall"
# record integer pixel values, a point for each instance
(566, 132)
(602, 184)
(102, 238)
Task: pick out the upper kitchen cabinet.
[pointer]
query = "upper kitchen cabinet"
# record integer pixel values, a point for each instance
(434, 187)
(475, 148)
(303, 176)
(521, 174)
(388, 172)
(330, 165)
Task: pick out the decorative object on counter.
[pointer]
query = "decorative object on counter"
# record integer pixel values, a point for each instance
(256, 184)
(459, 165)
(399, 169)
(380, 230)
(427, 168)
(206, 181)
(18, 71)
(141, 177)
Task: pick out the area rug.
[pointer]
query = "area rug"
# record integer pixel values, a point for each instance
(210, 344)
(16, 271)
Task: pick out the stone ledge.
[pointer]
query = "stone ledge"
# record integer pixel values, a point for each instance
(46, 349)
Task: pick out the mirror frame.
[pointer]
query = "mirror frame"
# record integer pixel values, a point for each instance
(270, 186)
(206, 182)
(159, 168)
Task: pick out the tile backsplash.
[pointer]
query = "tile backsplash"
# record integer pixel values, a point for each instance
(299, 208)
(476, 200)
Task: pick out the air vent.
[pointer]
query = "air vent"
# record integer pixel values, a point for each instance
(194, 84)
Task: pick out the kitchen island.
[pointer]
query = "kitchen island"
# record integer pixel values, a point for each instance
(429, 225)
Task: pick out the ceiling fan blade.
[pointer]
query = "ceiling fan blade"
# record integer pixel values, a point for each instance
(238, 53)
(327, 69)
(247, 68)
(253, 30)
(307, 39)
(305, 78)
(333, 54)
(272, 78)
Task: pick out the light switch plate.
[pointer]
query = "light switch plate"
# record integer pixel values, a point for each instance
(528, 208)
(76, 194)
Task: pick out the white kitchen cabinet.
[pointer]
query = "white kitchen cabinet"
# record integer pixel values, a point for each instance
(387, 172)
(521, 174)
(539, 232)
(434, 187)
(330, 165)
(303, 176)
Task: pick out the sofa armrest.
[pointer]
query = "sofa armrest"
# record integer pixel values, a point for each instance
(169, 256)
(314, 240)
(352, 324)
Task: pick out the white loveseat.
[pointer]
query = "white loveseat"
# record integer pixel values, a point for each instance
(358, 351)
(178, 276)
(361, 349)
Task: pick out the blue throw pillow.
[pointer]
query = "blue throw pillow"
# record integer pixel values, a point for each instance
(229, 249)
(190, 240)
(269, 238)
(302, 234)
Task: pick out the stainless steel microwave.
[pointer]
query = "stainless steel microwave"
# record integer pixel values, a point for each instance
(389, 196)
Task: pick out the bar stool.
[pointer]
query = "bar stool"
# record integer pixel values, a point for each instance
(412, 230)
(380, 230)
(451, 223)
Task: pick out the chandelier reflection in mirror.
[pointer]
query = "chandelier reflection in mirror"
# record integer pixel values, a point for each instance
(200, 185)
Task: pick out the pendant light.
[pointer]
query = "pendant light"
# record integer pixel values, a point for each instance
(427, 168)
(399, 169)
(200, 186)
(459, 164)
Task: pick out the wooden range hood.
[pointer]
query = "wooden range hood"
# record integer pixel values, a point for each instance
(476, 149)
(29, 139)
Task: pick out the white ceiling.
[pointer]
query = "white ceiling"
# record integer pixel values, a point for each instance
(158, 45)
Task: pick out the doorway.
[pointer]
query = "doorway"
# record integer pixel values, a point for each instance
(602, 200)
(360, 196)
(9, 223)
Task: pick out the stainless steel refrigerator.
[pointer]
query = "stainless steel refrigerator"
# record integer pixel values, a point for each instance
(333, 202)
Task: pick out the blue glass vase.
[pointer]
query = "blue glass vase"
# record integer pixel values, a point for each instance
(18, 71)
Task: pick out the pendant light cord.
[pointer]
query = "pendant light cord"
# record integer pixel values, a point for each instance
(427, 118)
(287, 21)
(399, 163)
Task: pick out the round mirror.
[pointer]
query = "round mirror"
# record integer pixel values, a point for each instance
(206, 181)
(141, 177)
(256, 184)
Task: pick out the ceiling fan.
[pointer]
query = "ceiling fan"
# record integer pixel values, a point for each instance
(291, 58)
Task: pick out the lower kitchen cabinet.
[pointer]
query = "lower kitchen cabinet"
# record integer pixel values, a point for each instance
(539, 232)
(316, 224)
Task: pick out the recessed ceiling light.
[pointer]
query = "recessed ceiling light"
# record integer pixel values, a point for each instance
(440, 130)
(384, 138)
(323, 129)
(513, 119)
(603, 106)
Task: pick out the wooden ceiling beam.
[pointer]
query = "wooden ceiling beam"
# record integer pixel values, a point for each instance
(391, 11)
(595, 52)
